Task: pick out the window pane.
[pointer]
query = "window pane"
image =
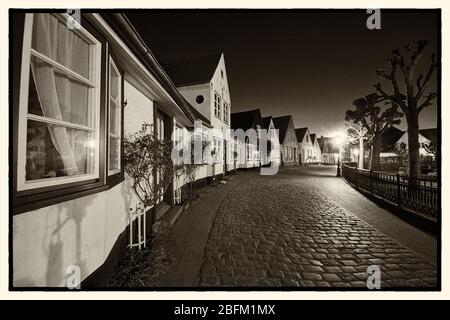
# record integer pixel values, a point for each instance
(114, 101)
(55, 95)
(52, 38)
(56, 151)
(114, 153)
(115, 117)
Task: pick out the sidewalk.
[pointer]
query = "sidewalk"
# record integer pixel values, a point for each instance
(189, 235)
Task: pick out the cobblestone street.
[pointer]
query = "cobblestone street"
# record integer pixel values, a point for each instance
(286, 230)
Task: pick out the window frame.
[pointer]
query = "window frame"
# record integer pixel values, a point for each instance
(35, 198)
(27, 54)
(217, 105)
(115, 176)
(225, 111)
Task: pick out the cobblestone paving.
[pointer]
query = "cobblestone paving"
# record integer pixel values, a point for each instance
(281, 231)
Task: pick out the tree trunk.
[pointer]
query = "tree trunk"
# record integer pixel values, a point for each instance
(376, 149)
(413, 145)
(361, 153)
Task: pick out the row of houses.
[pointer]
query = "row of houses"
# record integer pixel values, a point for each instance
(79, 88)
(291, 147)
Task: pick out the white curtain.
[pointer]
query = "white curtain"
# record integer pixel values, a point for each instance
(60, 97)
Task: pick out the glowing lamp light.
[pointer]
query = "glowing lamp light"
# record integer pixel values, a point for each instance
(90, 143)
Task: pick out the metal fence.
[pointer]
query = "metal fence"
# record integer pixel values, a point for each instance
(417, 194)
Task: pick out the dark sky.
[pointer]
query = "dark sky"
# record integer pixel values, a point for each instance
(311, 64)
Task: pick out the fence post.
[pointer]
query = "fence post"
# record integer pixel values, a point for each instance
(356, 177)
(399, 200)
(371, 181)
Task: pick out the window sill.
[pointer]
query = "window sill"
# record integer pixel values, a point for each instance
(24, 204)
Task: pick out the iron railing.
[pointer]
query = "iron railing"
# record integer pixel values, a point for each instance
(417, 194)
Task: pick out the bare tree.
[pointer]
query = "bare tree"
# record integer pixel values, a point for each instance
(415, 100)
(368, 114)
(357, 133)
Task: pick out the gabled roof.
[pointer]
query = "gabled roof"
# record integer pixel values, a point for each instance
(390, 136)
(266, 122)
(321, 142)
(282, 124)
(245, 120)
(193, 71)
(328, 145)
(313, 137)
(431, 134)
(300, 132)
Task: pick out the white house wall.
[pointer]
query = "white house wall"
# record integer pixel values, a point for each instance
(191, 93)
(422, 140)
(78, 232)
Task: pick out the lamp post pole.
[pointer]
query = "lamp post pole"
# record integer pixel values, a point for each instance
(338, 172)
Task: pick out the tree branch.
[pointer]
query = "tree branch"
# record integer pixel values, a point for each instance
(396, 97)
(431, 96)
(421, 88)
(416, 56)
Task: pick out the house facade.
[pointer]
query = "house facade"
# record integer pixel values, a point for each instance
(288, 140)
(305, 146)
(426, 137)
(330, 152)
(203, 83)
(395, 145)
(316, 152)
(78, 90)
(249, 153)
(273, 147)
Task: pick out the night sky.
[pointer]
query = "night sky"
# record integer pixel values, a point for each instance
(310, 64)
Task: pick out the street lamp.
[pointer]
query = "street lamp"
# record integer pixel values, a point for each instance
(338, 141)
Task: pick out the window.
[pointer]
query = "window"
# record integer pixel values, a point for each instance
(219, 151)
(307, 138)
(199, 99)
(225, 112)
(217, 105)
(59, 109)
(249, 152)
(69, 113)
(115, 118)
